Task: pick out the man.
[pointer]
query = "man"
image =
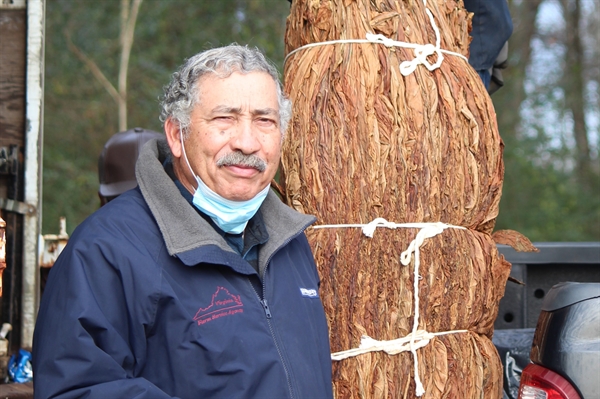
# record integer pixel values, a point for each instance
(488, 51)
(199, 283)
(116, 164)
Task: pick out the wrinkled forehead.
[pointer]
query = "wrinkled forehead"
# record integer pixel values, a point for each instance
(258, 86)
(226, 72)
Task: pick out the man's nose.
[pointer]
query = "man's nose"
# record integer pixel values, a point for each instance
(246, 137)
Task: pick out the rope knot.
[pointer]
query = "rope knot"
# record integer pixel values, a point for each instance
(369, 228)
(386, 41)
(421, 54)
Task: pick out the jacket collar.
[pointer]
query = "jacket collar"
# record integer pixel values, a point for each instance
(183, 229)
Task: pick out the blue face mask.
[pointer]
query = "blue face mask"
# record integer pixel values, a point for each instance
(230, 216)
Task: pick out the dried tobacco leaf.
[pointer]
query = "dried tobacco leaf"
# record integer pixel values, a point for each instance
(452, 366)
(516, 240)
(365, 142)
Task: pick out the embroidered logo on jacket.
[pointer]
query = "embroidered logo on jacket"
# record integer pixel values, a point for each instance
(309, 292)
(222, 304)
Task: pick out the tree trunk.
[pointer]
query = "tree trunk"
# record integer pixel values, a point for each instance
(508, 100)
(574, 88)
(508, 104)
(128, 20)
(119, 94)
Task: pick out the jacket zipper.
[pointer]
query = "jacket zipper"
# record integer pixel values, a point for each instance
(265, 305)
(263, 301)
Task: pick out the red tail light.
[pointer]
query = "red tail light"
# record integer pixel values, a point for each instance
(540, 383)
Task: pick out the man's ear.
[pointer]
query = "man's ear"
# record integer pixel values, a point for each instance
(173, 132)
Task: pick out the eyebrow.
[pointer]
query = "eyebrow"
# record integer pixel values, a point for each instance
(236, 110)
(265, 111)
(226, 109)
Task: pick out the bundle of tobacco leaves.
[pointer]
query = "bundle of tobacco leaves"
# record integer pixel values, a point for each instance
(367, 141)
(366, 290)
(450, 366)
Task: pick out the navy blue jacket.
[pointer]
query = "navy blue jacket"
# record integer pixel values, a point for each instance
(488, 52)
(148, 301)
(492, 26)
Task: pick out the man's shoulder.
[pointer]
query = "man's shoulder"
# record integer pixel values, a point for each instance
(123, 221)
(127, 208)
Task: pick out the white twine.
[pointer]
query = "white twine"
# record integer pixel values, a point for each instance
(392, 347)
(422, 51)
(417, 338)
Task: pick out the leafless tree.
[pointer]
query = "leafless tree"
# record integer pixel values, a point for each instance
(524, 14)
(129, 13)
(574, 86)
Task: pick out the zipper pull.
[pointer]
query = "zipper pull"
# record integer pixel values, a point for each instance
(266, 307)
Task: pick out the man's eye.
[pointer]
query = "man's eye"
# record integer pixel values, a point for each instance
(267, 121)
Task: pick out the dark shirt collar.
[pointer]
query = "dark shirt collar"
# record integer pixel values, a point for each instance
(255, 231)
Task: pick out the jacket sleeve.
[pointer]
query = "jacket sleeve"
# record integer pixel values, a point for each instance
(90, 334)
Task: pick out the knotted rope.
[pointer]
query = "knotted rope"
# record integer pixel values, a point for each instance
(417, 338)
(422, 51)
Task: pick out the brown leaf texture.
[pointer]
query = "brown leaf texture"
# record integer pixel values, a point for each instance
(366, 290)
(420, 148)
(516, 240)
(466, 366)
(367, 142)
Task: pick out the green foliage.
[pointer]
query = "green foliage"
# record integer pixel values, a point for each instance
(80, 115)
(542, 197)
(543, 202)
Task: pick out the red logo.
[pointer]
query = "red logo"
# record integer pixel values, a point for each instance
(222, 303)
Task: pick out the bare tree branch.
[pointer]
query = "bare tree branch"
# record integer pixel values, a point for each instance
(119, 95)
(128, 21)
(93, 68)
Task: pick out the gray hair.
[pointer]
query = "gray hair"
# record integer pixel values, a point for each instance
(182, 94)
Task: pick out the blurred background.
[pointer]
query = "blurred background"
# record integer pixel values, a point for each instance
(107, 61)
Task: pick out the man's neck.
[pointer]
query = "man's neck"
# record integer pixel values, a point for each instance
(180, 175)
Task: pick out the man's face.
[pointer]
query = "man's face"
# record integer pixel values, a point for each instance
(239, 113)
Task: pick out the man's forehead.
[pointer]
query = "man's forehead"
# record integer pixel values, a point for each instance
(223, 76)
(219, 94)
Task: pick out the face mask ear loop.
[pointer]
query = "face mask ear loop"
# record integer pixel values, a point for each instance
(185, 155)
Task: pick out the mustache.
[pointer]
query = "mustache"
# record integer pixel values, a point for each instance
(241, 159)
